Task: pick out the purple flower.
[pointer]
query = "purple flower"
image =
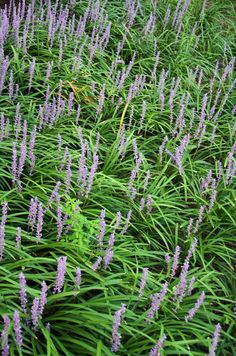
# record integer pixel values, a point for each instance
(101, 100)
(92, 174)
(192, 248)
(220, 171)
(180, 122)
(200, 217)
(190, 286)
(205, 182)
(167, 260)
(11, 85)
(228, 70)
(143, 281)
(213, 195)
(4, 214)
(78, 277)
(174, 87)
(230, 167)
(118, 317)
(97, 264)
(54, 195)
(70, 103)
(59, 222)
(132, 178)
(31, 72)
(78, 114)
(23, 295)
(157, 298)
(162, 80)
(149, 203)
(145, 184)
(2, 238)
(18, 237)
(60, 53)
(31, 149)
(23, 151)
(43, 298)
(155, 66)
(68, 175)
(118, 220)
(189, 227)
(161, 148)
(2, 126)
(49, 70)
(215, 340)
(4, 336)
(142, 203)
(40, 222)
(167, 17)
(197, 305)
(33, 212)
(61, 270)
(4, 65)
(126, 225)
(108, 257)
(144, 108)
(17, 328)
(176, 261)
(180, 290)
(155, 351)
(14, 162)
(102, 229)
(35, 313)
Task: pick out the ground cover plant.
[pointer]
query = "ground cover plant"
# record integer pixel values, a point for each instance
(117, 178)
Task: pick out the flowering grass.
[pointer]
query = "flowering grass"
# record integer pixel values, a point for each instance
(117, 178)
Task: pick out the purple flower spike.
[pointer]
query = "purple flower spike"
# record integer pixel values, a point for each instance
(17, 328)
(101, 100)
(40, 222)
(31, 72)
(18, 237)
(53, 196)
(35, 313)
(191, 284)
(215, 340)
(176, 261)
(118, 317)
(126, 225)
(23, 295)
(78, 277)
(43, 298)
(167, 260)
(2, 240)
(4, 336)
(155, 351)
(14, 162)
(61, 271)
(143, 281)
(118, 220)
(102, 225)
(97, 264)
(108, 257)
(11, 85)
(33, 212)
(157, 298)
(31, 149)
(197, 305)
(4, 213)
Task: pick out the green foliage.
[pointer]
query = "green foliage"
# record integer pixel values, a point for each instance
(81, 318)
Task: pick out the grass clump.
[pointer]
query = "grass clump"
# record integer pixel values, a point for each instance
(117, 178)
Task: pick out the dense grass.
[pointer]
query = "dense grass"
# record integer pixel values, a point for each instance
(111, 127)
